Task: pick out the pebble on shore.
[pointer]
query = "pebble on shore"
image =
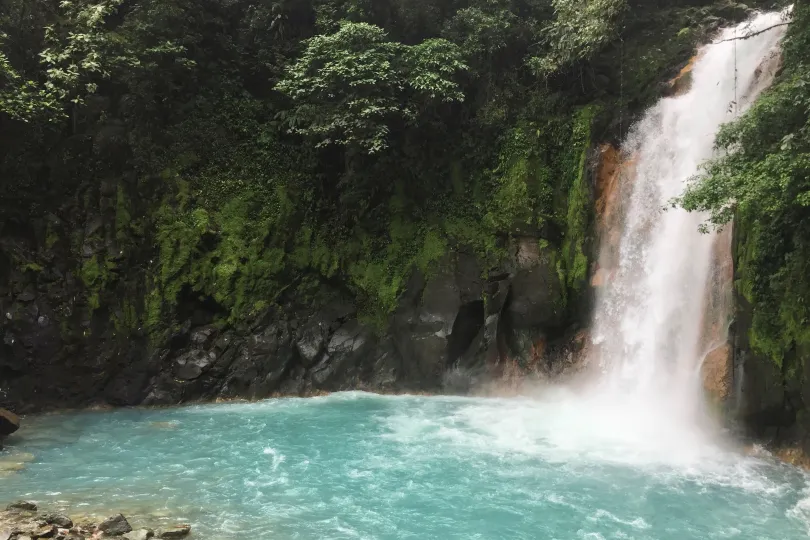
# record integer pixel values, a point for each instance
(22, 520)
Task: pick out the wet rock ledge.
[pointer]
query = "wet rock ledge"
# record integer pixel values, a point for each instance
(22, 520)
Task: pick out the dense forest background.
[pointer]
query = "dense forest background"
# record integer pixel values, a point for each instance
(246, 149)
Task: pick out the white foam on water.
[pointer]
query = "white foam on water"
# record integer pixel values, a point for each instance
(801, 510)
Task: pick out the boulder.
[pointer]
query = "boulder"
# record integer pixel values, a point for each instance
(311, 342)
(60, 520)
(115, 525)
(178, 531)
(203, 337)
(537, 298)
(22, 505)
(140, 534)
(45, 531)
(9, 422)
(344, 352)
(191, 365)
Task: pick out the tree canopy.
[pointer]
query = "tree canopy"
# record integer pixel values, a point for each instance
(234, 152)
(348, 87)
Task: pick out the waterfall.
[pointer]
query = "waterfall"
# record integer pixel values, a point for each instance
(655, 318)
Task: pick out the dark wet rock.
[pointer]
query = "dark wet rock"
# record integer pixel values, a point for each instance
(386, 366)
(178, 531)
(191, 365)
(27, 296)
(9, 423)
(159, 397)
(202, 337)
(421, 325)
(346, 350)
(535, 310)
(536, 299)
(22, 505)
(59, 520)
(311, 342)
(115, 525)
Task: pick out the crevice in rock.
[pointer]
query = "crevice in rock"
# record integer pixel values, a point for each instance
(201, 310)
(468, 323)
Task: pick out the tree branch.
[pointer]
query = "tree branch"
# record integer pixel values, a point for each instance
(749, 36)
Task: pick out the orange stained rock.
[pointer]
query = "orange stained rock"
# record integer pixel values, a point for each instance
(716, 372)
(681, 83)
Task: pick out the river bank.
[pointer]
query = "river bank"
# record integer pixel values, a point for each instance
(24, 520)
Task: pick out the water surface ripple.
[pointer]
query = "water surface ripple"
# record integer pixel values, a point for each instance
(355, 465)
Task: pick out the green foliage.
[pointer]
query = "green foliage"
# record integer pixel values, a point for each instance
(580, 207)
(220, 255)
(348, 87)
(482, 34)
(579, 30)
(95, 274)
(81, 49)
(21, 99)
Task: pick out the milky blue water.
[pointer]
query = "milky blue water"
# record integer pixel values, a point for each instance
(357, 465)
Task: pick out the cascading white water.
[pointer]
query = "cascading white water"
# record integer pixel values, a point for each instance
(650, 315)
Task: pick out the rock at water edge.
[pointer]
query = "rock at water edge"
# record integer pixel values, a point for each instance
(115, 525)
(178, 531)
(9, 422)
(140, 534)
(60, 520)
(22, 505)
(46, 531)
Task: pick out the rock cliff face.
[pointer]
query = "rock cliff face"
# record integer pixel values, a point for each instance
(769, 399)
(452, 330)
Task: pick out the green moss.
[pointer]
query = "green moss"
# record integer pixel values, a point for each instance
(154, 312)
(746, 234)
(523, 193)
(51, 236)
(126, 319)
(91, 272)
(562, 301)
(774, 284)
(579, 210)
(96, 276)
(123, 219)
